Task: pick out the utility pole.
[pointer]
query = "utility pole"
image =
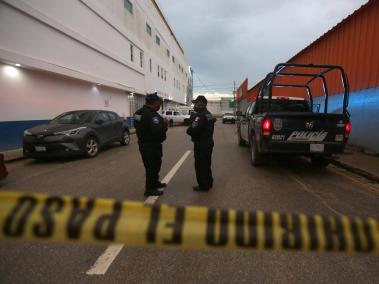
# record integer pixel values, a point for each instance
(234, 96)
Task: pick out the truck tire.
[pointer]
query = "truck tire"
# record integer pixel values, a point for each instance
(255, 156)
(241, 142)
(319, 162)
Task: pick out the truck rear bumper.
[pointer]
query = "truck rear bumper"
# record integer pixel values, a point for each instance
(301, 148)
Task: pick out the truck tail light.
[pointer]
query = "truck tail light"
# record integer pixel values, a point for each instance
(348, 128)
(266, 126)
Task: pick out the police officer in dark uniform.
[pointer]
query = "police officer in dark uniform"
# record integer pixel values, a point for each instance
(201, 132)
(151, 131)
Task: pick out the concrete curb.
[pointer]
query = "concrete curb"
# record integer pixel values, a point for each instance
(355, 170)
(13, 155)
(17, 154)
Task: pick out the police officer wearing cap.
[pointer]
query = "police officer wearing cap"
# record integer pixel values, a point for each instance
(151, 131)
(201, 132)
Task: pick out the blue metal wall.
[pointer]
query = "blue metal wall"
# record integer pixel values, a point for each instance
(364, 110)
(11, 133)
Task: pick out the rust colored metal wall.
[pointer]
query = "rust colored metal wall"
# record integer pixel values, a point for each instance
(242, 90)
(353, 44)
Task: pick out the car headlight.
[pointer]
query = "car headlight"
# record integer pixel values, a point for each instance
(27, 133)
(71, 132)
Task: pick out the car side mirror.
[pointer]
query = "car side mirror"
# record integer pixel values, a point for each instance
(239, 113)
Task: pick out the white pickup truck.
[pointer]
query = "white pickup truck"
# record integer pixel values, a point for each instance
(176, 117)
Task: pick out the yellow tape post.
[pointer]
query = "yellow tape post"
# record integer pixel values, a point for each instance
(25, 216)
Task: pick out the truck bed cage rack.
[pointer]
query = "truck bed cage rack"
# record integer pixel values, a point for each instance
(279, 71)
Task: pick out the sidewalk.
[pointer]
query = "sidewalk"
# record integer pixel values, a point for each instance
(360, 163)
(16, 154)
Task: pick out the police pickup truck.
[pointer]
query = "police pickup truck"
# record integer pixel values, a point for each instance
(289, 125)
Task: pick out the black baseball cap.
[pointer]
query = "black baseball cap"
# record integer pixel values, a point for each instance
(200, 99)
(153, 97)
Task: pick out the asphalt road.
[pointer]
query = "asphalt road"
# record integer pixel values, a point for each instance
(287, 185)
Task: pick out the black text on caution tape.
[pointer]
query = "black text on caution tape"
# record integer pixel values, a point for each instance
(68, 219)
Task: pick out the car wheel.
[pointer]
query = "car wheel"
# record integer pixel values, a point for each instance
(125, 140)
(255, 156)
(319, 162)
(91, 147)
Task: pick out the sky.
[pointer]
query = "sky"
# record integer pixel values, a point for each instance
(226, 41)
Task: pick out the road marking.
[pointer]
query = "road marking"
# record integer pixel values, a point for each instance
(103, 263)
(307, 189)
(152, 199)
(105, 260)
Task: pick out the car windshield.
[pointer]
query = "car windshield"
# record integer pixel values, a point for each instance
(284, 105)
(77, 117)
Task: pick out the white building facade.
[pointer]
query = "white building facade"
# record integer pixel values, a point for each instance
(220, 106)
(57, 56)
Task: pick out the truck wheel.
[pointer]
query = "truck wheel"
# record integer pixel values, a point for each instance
(255, 155)
(319, 162)
(241, 142)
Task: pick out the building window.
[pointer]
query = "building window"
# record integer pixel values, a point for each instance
(168, 53)
(151, 65)
(158, 71)
(162, 73)
(173, 59)
(129, 6)
(141, 59)
(165, 75)
(131, 52)
(158, 40)
(148, 29)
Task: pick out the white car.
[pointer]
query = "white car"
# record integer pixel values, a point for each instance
(228, 118)
(175, 117)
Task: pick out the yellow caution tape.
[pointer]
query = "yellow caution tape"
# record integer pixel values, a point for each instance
(26, 216)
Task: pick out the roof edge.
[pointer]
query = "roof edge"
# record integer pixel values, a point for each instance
(167, 24)
(341, 23)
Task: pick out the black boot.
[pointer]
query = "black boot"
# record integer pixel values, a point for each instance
(198, 188)
(153, 192)
(161, 184)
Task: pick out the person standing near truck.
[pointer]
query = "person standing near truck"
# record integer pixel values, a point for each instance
(201, 132)
(151, 131)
